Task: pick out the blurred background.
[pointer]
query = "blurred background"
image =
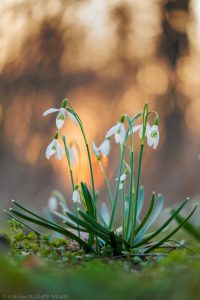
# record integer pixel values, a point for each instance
(108, 57)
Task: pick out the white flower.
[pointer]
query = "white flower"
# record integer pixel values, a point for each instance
(76, 198)
(52, 203)
(121, 180)
(140, 129)
(62, 114)
(153, 136)
(72, 155)
(54, 149)
(103, 149)
(119, 132)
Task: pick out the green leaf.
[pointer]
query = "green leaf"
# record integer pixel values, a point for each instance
(147, 214)
(163, 226)
(90, 228)
(92, 222)
(152, 219)
(171, 233)
(140, 201)
(189, 227)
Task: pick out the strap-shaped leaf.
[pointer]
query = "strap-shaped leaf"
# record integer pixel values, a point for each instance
(92, 222)
(171, 233)
(153, 217)
(161, 228)
(140, 201)
(189, 227)
(151, 207)
(91, 229)
(34, 214)
(91, 205)
(68, 222)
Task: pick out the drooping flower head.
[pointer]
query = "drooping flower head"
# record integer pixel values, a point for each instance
(103, 149)
(62, 114)
(52, 203)
(122, 179)
(76, 198)
(118, 131)
(54, 149)
(151, 133)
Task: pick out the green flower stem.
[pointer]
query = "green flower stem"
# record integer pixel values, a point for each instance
(112, 219)
(132, 183)
(145, 117)
(137, 192)
(76, 209)
(69, 162)
(90, 164)
(88, 150)
(131, 197)
(123, 214)
(113, 213)
(107, 183)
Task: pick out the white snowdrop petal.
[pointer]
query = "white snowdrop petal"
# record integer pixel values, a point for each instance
(95, 149)
(104, 148)
(120, 186)
(59, 151)
(72, 117)
(49, 150)
(60, 121)
(136, 128)
(50, 111)
(52, 203)
(112, 131)
(123, 177)
(76, 197)
(122, 135)
(72, 156)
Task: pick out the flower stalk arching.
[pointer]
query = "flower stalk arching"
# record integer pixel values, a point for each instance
(90, 164)
(87, 148)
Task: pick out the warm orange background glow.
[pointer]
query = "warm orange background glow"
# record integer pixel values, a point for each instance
(108, 57)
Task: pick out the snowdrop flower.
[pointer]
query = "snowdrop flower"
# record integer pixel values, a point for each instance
(153, 136)
(103, 149)
(122, 180)
(72, 155)
(54, 149)
(52, 203)
(119, 132)
(76, 198)
(140, 129)
(62, 115)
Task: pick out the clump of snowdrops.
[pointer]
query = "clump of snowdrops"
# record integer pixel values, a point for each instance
(93, 222)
